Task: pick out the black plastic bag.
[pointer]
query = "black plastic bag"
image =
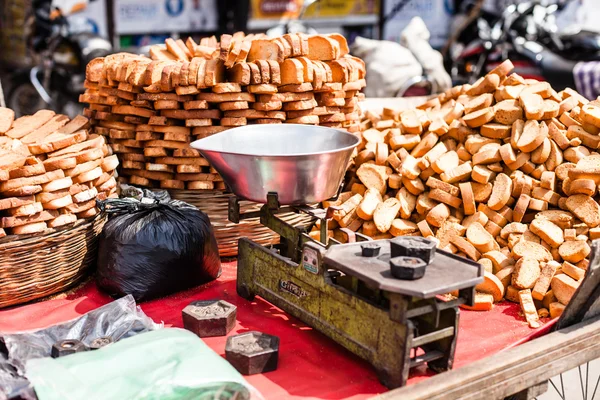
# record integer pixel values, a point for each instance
(153, 250)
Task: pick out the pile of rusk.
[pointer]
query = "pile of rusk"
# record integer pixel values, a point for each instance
(152, 108)
(51, 172)
(504, 172)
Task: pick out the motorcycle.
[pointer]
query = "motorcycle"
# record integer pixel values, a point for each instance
(56, 81)
(289, 25)
(527, 34)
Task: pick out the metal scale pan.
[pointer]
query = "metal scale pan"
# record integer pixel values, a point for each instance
(303, 164)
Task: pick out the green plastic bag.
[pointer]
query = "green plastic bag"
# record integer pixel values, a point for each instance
(167, 364)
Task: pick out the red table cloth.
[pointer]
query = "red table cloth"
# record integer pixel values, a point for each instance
(311, 366)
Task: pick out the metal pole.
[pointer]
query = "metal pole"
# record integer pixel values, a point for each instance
(2, 103)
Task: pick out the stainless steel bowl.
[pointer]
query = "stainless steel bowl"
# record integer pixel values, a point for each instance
(302, 163)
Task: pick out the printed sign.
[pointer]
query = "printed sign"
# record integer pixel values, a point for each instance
(292, 289)
(150, 16)
(276, 9)
(310, 260)
(437, 15)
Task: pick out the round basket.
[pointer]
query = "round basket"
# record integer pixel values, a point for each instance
(38, 266)
(215, 203)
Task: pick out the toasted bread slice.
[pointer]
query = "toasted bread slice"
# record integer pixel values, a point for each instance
(322, 48)
(62, 220)
(292, 72)
(303, 43)
(294, 42)
(25, 125)
(11, 160)
(225, 47)
(160, 53)
(245, 49)
(176, 50)
(93, 70)
(7, 116)
(263, 49)
(342, 43)
(37, 227)
(215, 72)
(57, 141)
(234, 52)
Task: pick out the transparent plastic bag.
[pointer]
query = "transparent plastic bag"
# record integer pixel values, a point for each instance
(168, 364)
(119, 319)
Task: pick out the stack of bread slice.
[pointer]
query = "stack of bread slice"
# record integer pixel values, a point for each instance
(51, 171)
(152, 108)
(504, 172)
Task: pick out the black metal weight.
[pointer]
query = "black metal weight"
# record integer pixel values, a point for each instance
(413, 246)
(100, 342)
(209, 318)
(67, 347)
(252, 352)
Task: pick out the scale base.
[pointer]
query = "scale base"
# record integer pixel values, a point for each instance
(354, 316)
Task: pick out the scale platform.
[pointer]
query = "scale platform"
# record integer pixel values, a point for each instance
(447, 274)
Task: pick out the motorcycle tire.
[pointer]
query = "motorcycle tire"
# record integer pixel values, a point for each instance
(23, 99)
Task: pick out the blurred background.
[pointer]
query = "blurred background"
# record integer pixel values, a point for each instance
(411, 47)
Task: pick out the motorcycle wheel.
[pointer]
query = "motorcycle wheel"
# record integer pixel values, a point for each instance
(23, 99)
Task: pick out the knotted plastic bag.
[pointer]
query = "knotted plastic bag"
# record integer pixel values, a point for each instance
(154, 249)
(167, 364)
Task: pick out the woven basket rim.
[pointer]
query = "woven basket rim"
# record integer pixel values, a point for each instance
(14, 241)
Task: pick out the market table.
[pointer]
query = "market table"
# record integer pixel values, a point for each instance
(310, 364)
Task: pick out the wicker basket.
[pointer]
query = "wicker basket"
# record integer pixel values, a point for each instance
(38, 266)
(215, 203)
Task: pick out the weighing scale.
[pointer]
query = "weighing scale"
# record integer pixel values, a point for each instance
(346, 291)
